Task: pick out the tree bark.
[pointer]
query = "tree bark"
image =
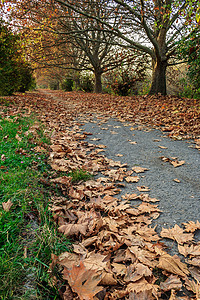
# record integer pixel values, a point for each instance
(98, 83)
(158, 84)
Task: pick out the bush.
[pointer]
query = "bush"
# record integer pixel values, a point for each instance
(68, 84)
(86, 83)
(125, 82)
(189, 90)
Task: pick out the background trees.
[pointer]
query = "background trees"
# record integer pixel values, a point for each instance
(15, 72)
(90, 33)
(154, 27)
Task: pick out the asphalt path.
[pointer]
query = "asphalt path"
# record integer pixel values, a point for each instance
(179, 201)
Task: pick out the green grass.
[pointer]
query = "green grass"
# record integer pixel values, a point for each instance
(80, 175)
(27, 232)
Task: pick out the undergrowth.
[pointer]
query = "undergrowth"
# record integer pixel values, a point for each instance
(27, 232)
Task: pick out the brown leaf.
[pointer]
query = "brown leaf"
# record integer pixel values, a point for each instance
(172, 282)
(144, 295)
(108, 279)
(139, 169)
(132, 179)
(66, 180)
(119, 269)
(177, 163)
(147, 198)
(136, 272)
(82, 281)
(195, 272)
(74, 229)
(176, 233)
(193, 286)
(192, 226)
(7, 205)
(193, 250)
(177, 180)
(143, 188)
(141, 286)
(172, 265)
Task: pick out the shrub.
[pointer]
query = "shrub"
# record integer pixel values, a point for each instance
(86, 83)
(68, 84)
(125, 82)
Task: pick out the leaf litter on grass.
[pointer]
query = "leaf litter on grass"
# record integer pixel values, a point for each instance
(113, 241)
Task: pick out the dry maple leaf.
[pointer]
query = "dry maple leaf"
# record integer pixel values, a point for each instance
(132, 179)
(147, 198)
(193, 286)
(192, 226)
(177, 163)
(82, 281)
(144, 295)
(177, 233)
(172, 264)
(172, 282)
(7, 205)
(143, 188)
(136, 272)
(139, 169)
(193, 250)
(74, 229)
(142, 286)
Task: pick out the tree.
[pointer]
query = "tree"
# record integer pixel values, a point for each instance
(15, 72)
(89, 45)
(151, 26)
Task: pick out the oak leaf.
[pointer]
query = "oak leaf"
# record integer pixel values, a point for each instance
(82, 281)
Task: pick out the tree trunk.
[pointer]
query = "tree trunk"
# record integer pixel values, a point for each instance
(158, 84)
(98, 83)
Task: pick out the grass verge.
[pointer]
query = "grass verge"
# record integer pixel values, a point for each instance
(27, 232)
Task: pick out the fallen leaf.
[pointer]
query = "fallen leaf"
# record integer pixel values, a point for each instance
(82, 281)
(162, 147)
(177, 180)
(143, 188)
(172, 265)
(177, 163)
(132, 179)
(192, 250)
(7, 205)
(172, 282)
(74, 229)
(139, 169)
(133, 143)
(192, 226)
(18, 138)
(177, 233)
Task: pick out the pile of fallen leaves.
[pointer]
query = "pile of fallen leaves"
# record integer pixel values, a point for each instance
(116, 253)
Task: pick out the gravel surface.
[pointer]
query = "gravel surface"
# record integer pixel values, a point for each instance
(179, 202)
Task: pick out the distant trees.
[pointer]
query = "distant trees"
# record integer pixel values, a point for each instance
(15, 72)
(93, 31)
(153, 26)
